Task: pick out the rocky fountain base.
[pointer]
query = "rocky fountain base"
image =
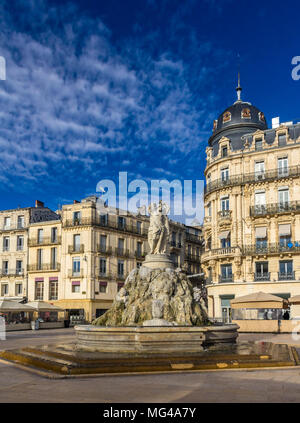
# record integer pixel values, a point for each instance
(157, 311)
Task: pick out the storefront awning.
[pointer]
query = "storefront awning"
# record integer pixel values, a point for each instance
(43, 306)
(224, 234)
(258, 300)
(284, 230)
(261, 232)
(13, 307)
(295, 299)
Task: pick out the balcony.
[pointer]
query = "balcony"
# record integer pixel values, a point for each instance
(262, 276)
(225, 279)
(193, 238)
(11, 272)
(121, 252)
(75, 274)
(103, 249)
(220, 252)
(270, 175)
(287, 276)
(34, 242)
(193, 258)
(48, 267)
(272, 248)
(76, 249)
(103, 275)
(109, 223)
(139, 255)
(275, 208)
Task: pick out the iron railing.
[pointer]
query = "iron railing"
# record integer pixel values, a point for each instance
(275, 208)
(43, 267)
(262, 276)
(76, 249)
(269, 175)
(34, 242)
(286, 276)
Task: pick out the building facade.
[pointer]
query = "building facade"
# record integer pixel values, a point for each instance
(78, 259)
(252, 208)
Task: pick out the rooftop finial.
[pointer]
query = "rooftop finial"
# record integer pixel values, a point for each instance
(239, 88)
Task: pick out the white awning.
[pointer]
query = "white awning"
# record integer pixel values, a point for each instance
(284, 230)
(261, 232)
(224, 234)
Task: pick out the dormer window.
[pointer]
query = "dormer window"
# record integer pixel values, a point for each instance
(215, 125)
(261, 117)
(258, 144)
(226, 117)
(281, 139)
(246, 114)
(224, 152)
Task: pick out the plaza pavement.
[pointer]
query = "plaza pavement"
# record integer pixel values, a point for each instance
(259, 385)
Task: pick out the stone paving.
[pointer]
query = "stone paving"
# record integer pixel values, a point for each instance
(274, 385)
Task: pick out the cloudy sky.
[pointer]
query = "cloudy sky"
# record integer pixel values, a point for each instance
(97, 87)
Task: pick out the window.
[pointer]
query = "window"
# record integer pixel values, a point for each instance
(283, 166)
(139, 248)
(76, 287)
(225, 239)
(174, 258)
(20, 222)
(224, 203)
(103, 287)
(283, 198)
(224, 152)
(225, 174)
(53, 258)
(121, 246)
(262, 270)
(258, 144)
(261, 237)
(6, 243)
(6, 222)
(209, 209)
(260, 202)
(76, 242)
(4, 289)
(103, 239)
(104, 219)
(76, 217)
(76, 266)
(20, 243)
(53, 234)
(102, 266)
(281, 139)
(5, 267)
(40, 236)
(208, 246)
(120, 285)
(139, 227)
(53, 290)
(286, 268)
(120, 268)
(173, 241)
(226, 273)
(39, 258)
(39, 290)
(284, 232)
(19, 289)
(19, 267)
(259, 170)
(121, 222)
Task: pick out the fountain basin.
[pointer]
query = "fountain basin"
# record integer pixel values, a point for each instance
(150, 339)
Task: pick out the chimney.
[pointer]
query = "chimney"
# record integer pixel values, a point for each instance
(275, 122)
(39, 203)
(76, 202)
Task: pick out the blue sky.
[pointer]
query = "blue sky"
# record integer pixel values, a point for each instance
(98, 87)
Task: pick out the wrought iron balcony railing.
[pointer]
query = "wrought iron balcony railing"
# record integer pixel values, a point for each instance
(103, 249)
(193, 257)
(193, 238)
(224, 214)
(275, 208)
(121, 252)
(43, 267)
(139, 255)
(129, 227)
(262, 276)
(269, 175)
(76, 249)
(272, 248)
(287, 276)
(224, 279)
(34, 242)
(11, 272)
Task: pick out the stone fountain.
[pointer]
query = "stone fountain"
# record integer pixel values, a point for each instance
(157, 310)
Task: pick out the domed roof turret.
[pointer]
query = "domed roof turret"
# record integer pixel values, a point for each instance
(238, 119)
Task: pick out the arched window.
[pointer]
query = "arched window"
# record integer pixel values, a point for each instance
(226, 117)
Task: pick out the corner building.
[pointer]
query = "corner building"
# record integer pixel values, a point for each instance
(252, 208)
